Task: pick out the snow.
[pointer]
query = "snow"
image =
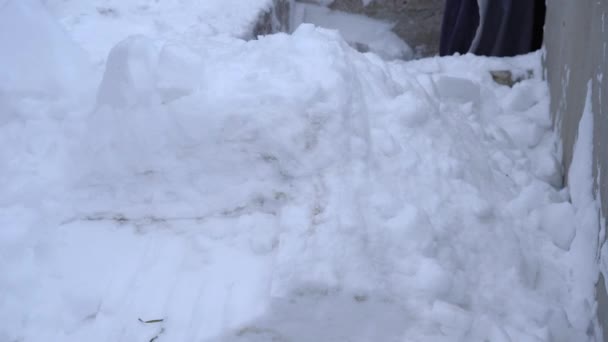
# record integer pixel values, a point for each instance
(584, 252)
(28, 32)
(360, 31)
(558, 220)
(285, 188)
(190, 20)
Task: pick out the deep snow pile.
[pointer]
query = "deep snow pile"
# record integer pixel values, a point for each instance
(97, 25)
(286, 189)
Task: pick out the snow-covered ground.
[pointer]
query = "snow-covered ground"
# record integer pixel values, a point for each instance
(282, 189)
(97, 25)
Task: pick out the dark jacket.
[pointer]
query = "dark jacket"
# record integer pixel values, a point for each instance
(492, 27)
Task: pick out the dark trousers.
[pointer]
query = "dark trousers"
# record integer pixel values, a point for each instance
(509, 27)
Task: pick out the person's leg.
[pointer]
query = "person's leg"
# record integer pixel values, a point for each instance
(540, 11)
(460, 22)
(509, 28)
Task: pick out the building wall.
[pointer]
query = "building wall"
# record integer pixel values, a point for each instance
(576, 41)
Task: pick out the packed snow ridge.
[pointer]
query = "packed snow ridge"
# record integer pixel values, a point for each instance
(186, 187)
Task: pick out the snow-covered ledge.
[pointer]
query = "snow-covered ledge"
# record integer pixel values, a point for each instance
(417, 22)
(364, 33)
(391, 29)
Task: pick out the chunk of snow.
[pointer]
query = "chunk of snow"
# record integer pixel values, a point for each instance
(458, 89)
(129, 77)
(179, 72)
(558, 220)
(454, 321)
(580, 175)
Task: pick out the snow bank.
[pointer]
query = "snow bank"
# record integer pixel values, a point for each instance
(38, 57)
(290, 188)
(177, 20)
(139, 72)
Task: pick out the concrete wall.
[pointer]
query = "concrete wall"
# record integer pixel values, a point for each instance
(576, 41)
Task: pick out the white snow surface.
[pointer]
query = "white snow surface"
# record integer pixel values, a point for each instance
(365, 33)
(282, 189)
(98, 25)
